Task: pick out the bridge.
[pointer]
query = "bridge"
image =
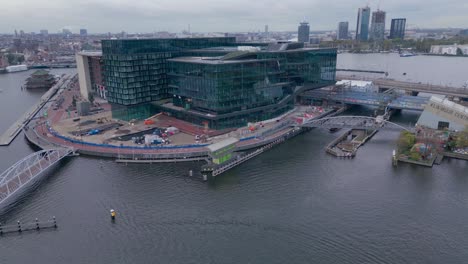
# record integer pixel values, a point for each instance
(411, 86)
(356, 122)
(28, 171)
(391, 101)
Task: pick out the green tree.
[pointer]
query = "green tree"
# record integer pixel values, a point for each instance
(459, 52)
(406, 141)
(414, 155)
(462, 138)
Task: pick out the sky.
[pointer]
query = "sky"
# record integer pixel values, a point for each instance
(138, 16)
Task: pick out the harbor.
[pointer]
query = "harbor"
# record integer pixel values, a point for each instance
(293, 194)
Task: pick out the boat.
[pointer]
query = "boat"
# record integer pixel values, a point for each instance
(334, 129)
(16, 68)
(407, 54)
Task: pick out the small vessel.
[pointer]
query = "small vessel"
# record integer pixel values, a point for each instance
(16, 68)
(334, 129)
(407, 54)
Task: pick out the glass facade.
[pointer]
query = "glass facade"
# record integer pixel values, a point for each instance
(209, 80)
(135, 70)
(249, 87)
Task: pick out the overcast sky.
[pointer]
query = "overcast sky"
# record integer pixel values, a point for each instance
(217, 15)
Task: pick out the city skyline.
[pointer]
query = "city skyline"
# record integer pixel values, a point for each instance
(102, 16)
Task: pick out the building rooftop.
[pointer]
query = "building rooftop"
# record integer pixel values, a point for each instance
(40, 73)
(449, 104)
(222, 144)
(211, 60)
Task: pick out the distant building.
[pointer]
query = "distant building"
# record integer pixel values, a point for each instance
(441, 113)
(314, 41)
(303, 32)
(83, 32)
(342, 32)
(44, 32)
(449, 49)
(362, 27)
(90, 73)
(397, 28)
(377, 32)
(464, 32)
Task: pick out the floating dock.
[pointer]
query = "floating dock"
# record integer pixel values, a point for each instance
(13, 131)
(344, 147)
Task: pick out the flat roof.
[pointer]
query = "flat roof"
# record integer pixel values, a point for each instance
(211, 60)
(222, 144)
(446, 102)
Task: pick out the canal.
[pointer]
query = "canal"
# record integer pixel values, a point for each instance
(292, 204)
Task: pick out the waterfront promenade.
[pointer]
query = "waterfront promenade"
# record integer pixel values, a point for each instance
(16, 127)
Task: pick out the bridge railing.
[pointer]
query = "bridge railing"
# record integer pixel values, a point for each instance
(27, 169)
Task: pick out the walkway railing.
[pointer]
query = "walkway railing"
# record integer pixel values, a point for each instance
(358, 122)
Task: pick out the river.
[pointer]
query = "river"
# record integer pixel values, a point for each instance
(292, 204)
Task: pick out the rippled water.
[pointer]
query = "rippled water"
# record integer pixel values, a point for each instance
(292, 204)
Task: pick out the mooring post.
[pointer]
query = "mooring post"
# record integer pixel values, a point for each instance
(37, 224)
(55, 221)
(19, 226)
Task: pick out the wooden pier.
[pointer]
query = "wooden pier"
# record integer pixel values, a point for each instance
(20, 227)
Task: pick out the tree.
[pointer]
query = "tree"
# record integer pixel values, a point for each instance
(414, 155)
(406, 141)
(462, 138)
(459, 52)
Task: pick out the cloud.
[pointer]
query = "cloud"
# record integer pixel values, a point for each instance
(216, 15)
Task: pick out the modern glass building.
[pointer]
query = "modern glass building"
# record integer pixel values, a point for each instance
(246, 86)
(303, 32)
(135, 70)
(211, 81)
(362, 25)
(342, 32)
(397, 28)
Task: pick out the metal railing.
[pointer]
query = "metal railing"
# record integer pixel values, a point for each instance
(358, 122)
(27, 169)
